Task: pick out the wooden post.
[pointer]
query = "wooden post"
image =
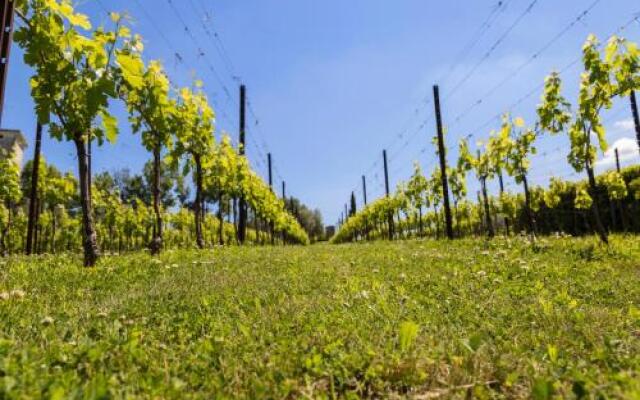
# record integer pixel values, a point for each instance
(33, 198)
(443, 164)
(6, 37)
(386, 187)
(386, 172)
(284, 192)
(480, 212)
(284, 198)
(364, 196)
(271, 224)
(487, 209)
(501, 181)
(364, 189)
(354, 207)
(270, 172)
(242, 223)
(621, 206)
(636, 117)
(612, 209)
(90, 168)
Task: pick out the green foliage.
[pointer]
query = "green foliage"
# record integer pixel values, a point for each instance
(510, 205)
(146, 94)
(634, 188)
(519, 145)
(583, 200)
(9, 180)
(193, 125)
(482, 163)
(457, 183)
(78, 70)
(407, 334)
(604, 77)
(561, 207)
(417, 188)
(74, 78)
(615, 185)
(552, 196)
(554, 112)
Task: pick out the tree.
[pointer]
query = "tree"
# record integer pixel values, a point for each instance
(416, 192)
(458, 185)
(193, 125)
(352, 206)
(497, 150)
(170, 182)
(617, 192)
(59, 194)
(53, 190)
(553, 198)
(74, 81)
(221, 180)
(520, 144)
(435, 195)
(10, 194)
(146, 93)
(603, 79)
(483, 168)
(310, 220)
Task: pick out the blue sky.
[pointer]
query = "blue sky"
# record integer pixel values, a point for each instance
(331, 83)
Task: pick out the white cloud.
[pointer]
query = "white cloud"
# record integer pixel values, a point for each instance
(627, 150)
(625, 125)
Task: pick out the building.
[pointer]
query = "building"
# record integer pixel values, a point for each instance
(13, 142)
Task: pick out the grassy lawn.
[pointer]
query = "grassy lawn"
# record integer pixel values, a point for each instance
(408, 319)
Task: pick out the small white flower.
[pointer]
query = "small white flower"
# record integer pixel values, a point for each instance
(17, 293)
(4, 296)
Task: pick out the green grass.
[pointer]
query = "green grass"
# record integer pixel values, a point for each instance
(410, 319)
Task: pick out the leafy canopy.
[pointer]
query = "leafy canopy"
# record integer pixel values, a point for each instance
(74, 77)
